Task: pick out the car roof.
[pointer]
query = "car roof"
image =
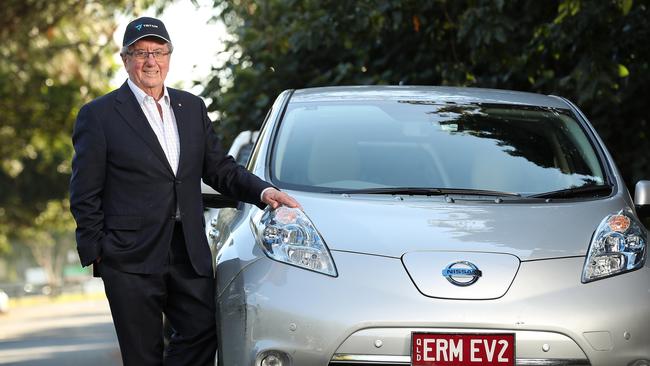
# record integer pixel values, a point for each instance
(438, 94)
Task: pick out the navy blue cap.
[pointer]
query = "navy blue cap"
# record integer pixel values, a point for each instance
(144, 27)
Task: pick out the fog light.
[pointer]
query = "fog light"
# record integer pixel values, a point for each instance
(273, 358)
(640, 363)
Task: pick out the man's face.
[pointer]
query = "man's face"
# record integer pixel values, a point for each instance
(148, 74)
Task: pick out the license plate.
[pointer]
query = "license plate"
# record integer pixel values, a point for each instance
(462, 349)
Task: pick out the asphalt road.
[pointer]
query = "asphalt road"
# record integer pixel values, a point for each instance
(70, 333)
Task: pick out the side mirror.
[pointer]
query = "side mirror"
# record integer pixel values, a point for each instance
(642, 198)
(214, 199)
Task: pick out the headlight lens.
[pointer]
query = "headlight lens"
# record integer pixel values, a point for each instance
(618, 246)
(287, 235)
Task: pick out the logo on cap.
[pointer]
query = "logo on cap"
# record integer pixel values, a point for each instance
(139, 26)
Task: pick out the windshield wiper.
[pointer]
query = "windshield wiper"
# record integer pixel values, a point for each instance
(590, 190)
(420, 191)
(392, 190)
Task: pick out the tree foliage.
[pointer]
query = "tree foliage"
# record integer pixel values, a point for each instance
(591, 52)
(55, 56)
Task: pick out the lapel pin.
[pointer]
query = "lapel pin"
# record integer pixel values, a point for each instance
(180, 105)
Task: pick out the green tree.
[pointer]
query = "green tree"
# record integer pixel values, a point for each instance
(55, 56)
(592, 52)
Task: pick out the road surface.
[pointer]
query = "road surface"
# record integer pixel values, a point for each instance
(61, 333)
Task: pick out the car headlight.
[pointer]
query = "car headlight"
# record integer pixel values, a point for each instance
(618, 246)
(287, 235)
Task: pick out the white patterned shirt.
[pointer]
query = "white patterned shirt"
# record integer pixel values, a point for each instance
(165, 129)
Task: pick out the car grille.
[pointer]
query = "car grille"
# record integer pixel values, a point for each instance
(370, 360)
(356, 360)
(365, 363)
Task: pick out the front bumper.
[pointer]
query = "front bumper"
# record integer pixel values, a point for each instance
(313, 319)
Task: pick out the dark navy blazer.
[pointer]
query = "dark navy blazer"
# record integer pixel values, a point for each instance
(123, 192)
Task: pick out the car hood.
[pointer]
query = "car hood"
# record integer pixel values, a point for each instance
(393, 226)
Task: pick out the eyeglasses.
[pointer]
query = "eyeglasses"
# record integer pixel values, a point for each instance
(143, 55)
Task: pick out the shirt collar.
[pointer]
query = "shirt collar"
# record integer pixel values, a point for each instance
(141, 96)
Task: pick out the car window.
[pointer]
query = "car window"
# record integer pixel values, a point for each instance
(373, 144)
(244, 153)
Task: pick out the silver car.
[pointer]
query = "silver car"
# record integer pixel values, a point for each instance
(440, 226)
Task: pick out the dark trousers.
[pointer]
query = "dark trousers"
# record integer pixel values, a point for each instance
(138, 301)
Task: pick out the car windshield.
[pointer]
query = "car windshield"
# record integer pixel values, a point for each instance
(363, 145)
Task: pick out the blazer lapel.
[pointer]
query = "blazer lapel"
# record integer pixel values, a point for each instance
(127, 106)
(180, 114)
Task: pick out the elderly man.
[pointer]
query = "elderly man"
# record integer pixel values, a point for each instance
(140, 154)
